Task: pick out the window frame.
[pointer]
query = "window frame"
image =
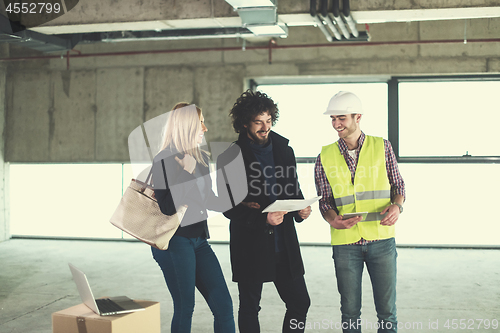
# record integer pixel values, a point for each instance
(392, 108)
(393, 116)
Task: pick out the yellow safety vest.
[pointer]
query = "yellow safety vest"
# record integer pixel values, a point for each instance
(371, 191)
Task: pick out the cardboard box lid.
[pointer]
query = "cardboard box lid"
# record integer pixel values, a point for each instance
(80, 319)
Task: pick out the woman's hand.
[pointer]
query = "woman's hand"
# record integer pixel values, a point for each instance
(188, 163)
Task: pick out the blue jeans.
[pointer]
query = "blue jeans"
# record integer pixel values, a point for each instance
(380, 258)
(190, 263)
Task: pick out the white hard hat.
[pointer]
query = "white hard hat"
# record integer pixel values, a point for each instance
(344, 102)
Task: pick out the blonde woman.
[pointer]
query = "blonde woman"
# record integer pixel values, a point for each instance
(181, 178)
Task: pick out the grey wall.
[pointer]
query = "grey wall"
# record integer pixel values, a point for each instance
(85, 114)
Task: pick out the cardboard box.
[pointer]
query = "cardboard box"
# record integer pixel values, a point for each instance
(80, 319)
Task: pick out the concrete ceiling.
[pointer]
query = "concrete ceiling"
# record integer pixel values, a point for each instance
(143, 15)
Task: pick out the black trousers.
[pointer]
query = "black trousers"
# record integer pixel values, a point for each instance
(293, 292)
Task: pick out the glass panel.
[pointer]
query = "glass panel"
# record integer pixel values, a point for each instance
(301, 108)
(314, 229)
(447, 204)
(64, 200)
(449, 118)
(218, 226)
(83, 207)
(450, 204)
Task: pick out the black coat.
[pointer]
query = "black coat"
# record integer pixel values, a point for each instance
(252, 241)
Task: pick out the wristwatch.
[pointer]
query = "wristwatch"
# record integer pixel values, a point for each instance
(400, 207)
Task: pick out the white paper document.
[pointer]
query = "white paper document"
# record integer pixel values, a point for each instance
(290, 205)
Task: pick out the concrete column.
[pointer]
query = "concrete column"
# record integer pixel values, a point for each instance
(4, 167)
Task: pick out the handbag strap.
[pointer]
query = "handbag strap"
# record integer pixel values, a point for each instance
(226, 180)
(147, 142)
(148, 178)
(228, 187)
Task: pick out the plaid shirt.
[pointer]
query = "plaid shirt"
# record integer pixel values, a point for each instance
(324, 189)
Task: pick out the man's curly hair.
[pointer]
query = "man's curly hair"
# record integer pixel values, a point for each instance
(248, 106)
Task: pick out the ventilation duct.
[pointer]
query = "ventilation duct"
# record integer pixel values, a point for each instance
(13, 33)
(260, 17)
(39, 42)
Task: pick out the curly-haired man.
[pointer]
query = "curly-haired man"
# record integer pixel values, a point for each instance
(264, 246)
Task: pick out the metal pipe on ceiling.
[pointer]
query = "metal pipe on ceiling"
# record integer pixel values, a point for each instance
(274, 47)
(328, 20)
(348, 18)
(319, 22)
(338, 19)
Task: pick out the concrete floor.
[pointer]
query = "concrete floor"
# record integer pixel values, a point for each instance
(434, 285)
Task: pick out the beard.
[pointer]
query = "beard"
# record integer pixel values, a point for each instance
(258, 139)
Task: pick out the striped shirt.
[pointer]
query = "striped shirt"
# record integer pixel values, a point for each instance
(324, 189)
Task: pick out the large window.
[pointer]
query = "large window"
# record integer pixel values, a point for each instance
(450, 204)
(447, 204)
(64, 200)
(301, 112)
(434, 123)
(445, 125)
(77, 200)
(449, 118)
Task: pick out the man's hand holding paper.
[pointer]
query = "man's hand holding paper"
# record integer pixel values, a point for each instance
(291, 206)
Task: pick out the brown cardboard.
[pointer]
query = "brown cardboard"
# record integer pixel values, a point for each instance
(80, 319)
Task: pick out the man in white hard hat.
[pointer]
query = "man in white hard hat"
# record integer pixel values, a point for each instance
(358, 174)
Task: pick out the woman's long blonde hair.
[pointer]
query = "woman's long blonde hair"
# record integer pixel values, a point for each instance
(182, 129)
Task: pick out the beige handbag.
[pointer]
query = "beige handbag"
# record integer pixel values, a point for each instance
(139, 215)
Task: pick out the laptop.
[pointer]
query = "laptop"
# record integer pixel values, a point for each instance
(102, 306)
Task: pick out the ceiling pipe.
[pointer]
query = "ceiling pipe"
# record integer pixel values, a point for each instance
(174, 34)
(338, 19)
(274, 47)
(319, 22)
(348, 18)
(328, 20)
(272, 42)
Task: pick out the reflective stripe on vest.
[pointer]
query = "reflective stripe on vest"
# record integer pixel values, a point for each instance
(370, 192)
(368, 195)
